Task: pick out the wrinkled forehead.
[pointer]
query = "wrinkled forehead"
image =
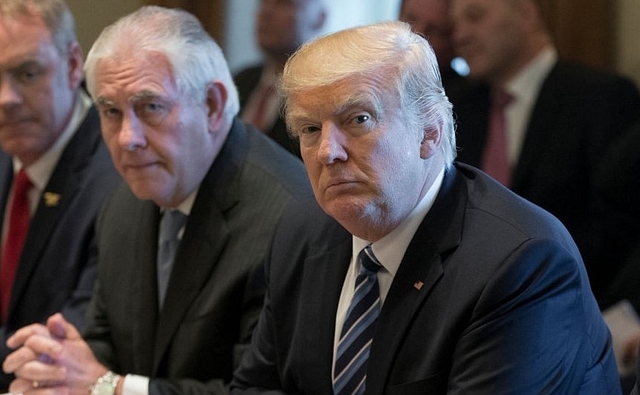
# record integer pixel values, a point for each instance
(356, 92)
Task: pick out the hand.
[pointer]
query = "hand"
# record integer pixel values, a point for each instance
(51, 359)
(630, 353)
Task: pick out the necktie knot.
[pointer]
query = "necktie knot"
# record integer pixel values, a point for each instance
(501, 98)
(370, 264)
(170, 225)
(22, 183)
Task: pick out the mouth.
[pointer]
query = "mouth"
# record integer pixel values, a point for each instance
(139, 166)
(337, 185)
(11, 123)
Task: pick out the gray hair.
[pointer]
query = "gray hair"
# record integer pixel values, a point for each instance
(196, 59)
(406, 59)
(55, 14)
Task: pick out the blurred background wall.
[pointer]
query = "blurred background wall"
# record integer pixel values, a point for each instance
(604, 33)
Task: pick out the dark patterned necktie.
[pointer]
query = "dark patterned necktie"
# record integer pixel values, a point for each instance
(350, 370)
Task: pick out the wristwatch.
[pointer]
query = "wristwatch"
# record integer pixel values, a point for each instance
(105, 385)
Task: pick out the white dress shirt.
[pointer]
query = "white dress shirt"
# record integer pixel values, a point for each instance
(389, 250)
(524, 89)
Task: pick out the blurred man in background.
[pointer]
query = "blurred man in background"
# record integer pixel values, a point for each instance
(281, 27)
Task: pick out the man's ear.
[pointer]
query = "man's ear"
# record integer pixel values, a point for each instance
(430, 142)
(75, 64)
(216, 101)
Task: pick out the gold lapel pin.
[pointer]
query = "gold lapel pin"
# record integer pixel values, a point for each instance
(418, 285)
(51, 199)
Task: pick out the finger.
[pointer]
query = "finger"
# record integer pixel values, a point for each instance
(61, 328)
(27, 387)
(36, 348)
(22, 334)
(20, 386)
(43, 373)
(18, 358)
(44, 345)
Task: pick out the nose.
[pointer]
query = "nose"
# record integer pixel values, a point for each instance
(332, 145)
(8, 92)
(131, 135)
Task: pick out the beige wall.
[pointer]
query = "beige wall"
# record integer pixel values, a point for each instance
(628, 32)
(93, 15)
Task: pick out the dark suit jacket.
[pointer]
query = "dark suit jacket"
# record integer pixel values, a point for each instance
(216, 288)
(57, 268)
(505, 307)
(246, 81)
(617, 182)
(578, 113)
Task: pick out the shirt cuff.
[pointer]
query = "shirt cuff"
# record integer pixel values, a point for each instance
(135, 385)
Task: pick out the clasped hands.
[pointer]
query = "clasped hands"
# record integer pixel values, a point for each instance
(51, 359)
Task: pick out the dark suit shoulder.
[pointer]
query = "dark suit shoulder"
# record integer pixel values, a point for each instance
(305, 221)
(268, 160)
(509, 216)
(595, 89)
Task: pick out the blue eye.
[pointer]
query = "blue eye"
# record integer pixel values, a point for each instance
(361, 119)
(153, 107)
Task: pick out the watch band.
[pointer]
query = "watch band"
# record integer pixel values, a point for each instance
(105, 385)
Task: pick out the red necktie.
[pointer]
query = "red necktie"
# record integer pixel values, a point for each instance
(495, 159)
(17, 232)
(260, 115)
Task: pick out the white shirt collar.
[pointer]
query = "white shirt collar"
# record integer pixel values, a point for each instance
(526, 84)
(391, 249)
(524, 89)
(187, 204)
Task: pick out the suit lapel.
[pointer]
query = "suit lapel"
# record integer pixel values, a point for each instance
(57, 197)
(421, 268)
(6, 179)
(201, 245)
(322, 285)
(205, 236)
(145, 219)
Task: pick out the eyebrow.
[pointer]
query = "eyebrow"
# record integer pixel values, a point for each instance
(140, 96)
(144, 95)
(363, 99)
(103, 101)
(17, 67)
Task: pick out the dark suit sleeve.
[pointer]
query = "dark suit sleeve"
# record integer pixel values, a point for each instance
(258, 373)
(75, 308)
(526, 336)
(97, 331)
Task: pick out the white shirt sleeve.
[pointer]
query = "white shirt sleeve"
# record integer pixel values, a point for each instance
(135, 385)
